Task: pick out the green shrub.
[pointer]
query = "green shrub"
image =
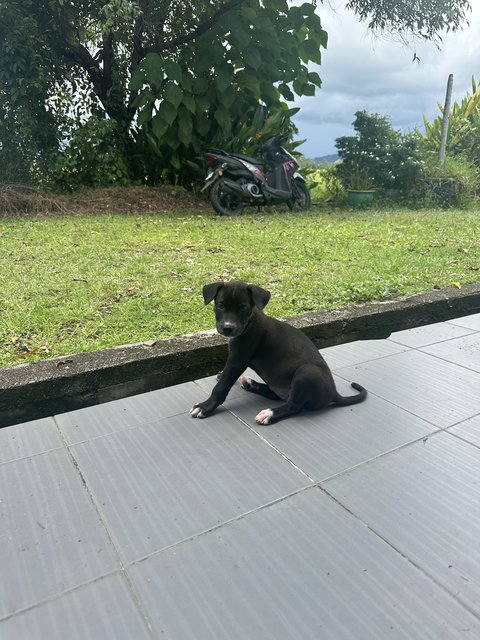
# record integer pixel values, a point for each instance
(453, 185)
(93, 157)
(386, 159)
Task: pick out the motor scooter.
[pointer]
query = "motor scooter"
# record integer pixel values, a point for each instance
(236, 180)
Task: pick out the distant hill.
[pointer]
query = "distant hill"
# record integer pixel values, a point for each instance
(333, 157)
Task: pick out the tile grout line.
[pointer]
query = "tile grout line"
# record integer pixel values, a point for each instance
(418, 567)
(462, 439)
(122, 566)
(31, 455)
(397, 406)
(131, 427)
(271, 445)
(430, 344)
(56, 596)
(457, 324)
(219, 525)
(405, 349)
(379, 456)
(443, 359)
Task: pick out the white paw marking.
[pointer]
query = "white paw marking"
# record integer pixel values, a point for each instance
(264, 416)
(196, 412)
(245, 382)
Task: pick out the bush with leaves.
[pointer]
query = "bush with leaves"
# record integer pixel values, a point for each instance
(379, 157)
(453, 185)
(93, 157)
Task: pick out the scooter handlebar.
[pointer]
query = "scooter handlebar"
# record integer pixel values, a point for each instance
(272, 143)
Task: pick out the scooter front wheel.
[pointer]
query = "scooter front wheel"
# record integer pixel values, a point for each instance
(301, 199)
(224, 203)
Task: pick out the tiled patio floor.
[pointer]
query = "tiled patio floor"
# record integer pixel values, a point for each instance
(131, 520)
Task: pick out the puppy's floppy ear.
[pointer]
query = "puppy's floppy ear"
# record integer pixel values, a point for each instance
(260, 296)
(210, 291)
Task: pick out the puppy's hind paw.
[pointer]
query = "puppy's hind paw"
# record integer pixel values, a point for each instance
(246, 382)
(264, 416)
(196, 412)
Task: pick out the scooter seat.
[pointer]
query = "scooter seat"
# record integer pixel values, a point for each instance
(247, 159)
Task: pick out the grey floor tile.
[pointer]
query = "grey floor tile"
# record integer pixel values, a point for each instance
(429, 334)
(464, 351)
(158, 484)
(28, 439)
(51, 537)
(435, 390)
(468, 430)
(101, 610)
(424, 500)
(323, 443)
(119, 415)
(301, 568)
(346, 355)
(471, 322)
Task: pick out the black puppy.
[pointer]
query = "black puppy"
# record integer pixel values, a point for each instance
(283, 356)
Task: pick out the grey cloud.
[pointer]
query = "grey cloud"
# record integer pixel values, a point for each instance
(360, 71)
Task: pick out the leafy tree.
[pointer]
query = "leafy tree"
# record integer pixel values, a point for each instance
(378, 155)
(168, 74)
(169, 77)
(425, 19)
(211, 95)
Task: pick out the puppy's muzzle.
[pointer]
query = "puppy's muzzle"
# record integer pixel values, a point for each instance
(228, 329)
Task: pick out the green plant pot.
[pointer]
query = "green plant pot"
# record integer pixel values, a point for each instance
(360, 198)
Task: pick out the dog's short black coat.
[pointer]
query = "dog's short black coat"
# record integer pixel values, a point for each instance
(284, 357)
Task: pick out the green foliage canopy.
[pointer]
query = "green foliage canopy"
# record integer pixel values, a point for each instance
(171, 77)
(224, 95)
(378, 156)
(425, 19)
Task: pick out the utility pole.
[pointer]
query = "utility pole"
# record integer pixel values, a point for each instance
(446, 117)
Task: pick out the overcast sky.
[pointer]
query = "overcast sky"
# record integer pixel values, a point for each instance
(361, 71)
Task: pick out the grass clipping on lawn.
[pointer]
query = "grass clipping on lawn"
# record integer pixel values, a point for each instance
(86, 282)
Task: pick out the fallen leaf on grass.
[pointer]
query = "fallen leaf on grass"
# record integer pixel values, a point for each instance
(457, 284)
(26, 351)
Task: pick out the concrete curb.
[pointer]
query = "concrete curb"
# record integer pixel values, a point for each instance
(48, 387)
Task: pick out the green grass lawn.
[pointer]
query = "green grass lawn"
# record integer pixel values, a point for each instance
(70, 284)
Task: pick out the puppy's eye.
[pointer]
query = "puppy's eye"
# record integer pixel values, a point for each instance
(220, 305)
(244, 307)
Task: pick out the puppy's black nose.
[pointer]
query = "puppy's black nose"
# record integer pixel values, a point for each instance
(228, 329)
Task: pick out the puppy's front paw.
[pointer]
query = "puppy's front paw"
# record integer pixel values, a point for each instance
(196, 412)
(264, 416)
(203, 409)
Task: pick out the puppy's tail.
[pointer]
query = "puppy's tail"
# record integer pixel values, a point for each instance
(346, 400)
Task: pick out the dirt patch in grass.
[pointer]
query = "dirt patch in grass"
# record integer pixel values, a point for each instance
(20, 201)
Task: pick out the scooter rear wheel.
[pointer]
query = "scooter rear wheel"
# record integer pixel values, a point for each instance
(301, 199)
(224, 203)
